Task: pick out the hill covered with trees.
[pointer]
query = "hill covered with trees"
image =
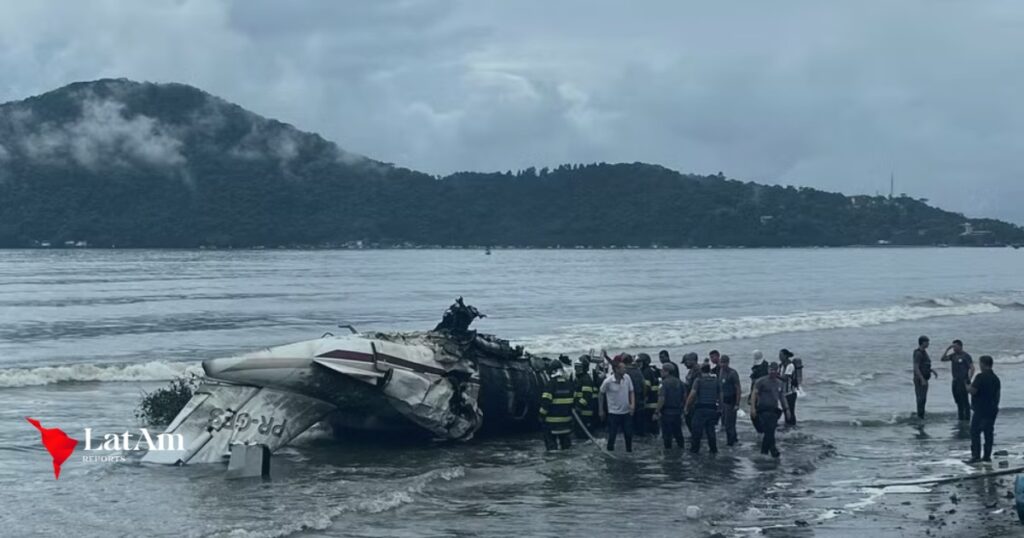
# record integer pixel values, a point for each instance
(126, 164)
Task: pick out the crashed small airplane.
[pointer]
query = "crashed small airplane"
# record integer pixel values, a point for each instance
(448, 383)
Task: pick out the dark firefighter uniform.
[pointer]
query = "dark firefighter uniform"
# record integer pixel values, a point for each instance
(652, 383)
(598, 375)
(586, 403)
(556, 404)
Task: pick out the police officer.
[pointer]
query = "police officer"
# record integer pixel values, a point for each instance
(963, 372)
(670, 405)
(768, 397)
(691, 371)
(705, 404)
(922, 373)
(731, 390)
(556, 408)
(586, 403)
(652, 382)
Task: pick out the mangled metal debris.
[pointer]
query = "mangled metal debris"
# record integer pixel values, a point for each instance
(448, 383)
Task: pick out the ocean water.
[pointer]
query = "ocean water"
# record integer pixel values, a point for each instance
(84, 333)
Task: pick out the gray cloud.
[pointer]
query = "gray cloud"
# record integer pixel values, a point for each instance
(832, 95)
(102, 134)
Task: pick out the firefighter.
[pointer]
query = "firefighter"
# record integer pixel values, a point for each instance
(586, 403)
(599, 374)
(652, 383)
(556, 408)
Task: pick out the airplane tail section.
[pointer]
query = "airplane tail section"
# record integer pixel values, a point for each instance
(219, 415)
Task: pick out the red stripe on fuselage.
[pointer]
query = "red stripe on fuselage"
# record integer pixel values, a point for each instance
(368, 357)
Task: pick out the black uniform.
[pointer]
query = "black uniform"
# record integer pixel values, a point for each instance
(769, 399)
(652, 382)
(985, 402)
(757, 371)
(586, 402)
(730, 403)
(672, 411)
(923, 363)
(705, 412)
(637, 377)
(692, 374)
(961, 378)
(599, 378)
(556, 413)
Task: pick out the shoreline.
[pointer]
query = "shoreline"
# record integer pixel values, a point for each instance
(506, 248)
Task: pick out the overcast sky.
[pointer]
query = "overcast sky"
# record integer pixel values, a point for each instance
(832, 94)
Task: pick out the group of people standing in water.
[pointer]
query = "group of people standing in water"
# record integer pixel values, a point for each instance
(637, 398)
(979, 392)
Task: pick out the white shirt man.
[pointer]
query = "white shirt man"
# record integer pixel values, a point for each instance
(617, 392)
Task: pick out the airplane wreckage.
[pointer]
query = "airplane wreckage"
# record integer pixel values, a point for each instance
(448, 384)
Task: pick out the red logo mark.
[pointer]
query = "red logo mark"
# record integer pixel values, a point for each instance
(57, 443)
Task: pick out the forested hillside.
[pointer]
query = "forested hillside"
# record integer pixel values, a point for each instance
(126, 164)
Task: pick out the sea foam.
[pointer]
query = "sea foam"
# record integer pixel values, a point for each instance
(696, 331)
(144, 371)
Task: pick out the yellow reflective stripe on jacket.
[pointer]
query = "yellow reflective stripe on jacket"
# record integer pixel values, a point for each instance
(557, 420)
(545, 395)
(587, 388)
(562, 401)
(543, 411)
(586, 413)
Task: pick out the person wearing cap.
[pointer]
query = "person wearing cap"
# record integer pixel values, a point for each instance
(757, 371)
(556, 408)
(669, 412)
(705, 404)
(962, 369)
(788, 373)
(731, 391)
(922, 373)
(766, 400)
(617, 396)
(586, 404)
(652, 382)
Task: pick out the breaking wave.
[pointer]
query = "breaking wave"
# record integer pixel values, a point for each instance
(896, 419)
(46, 375)
(854, 381)
(697, 331)
(1009, 300)
(1008, 359)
